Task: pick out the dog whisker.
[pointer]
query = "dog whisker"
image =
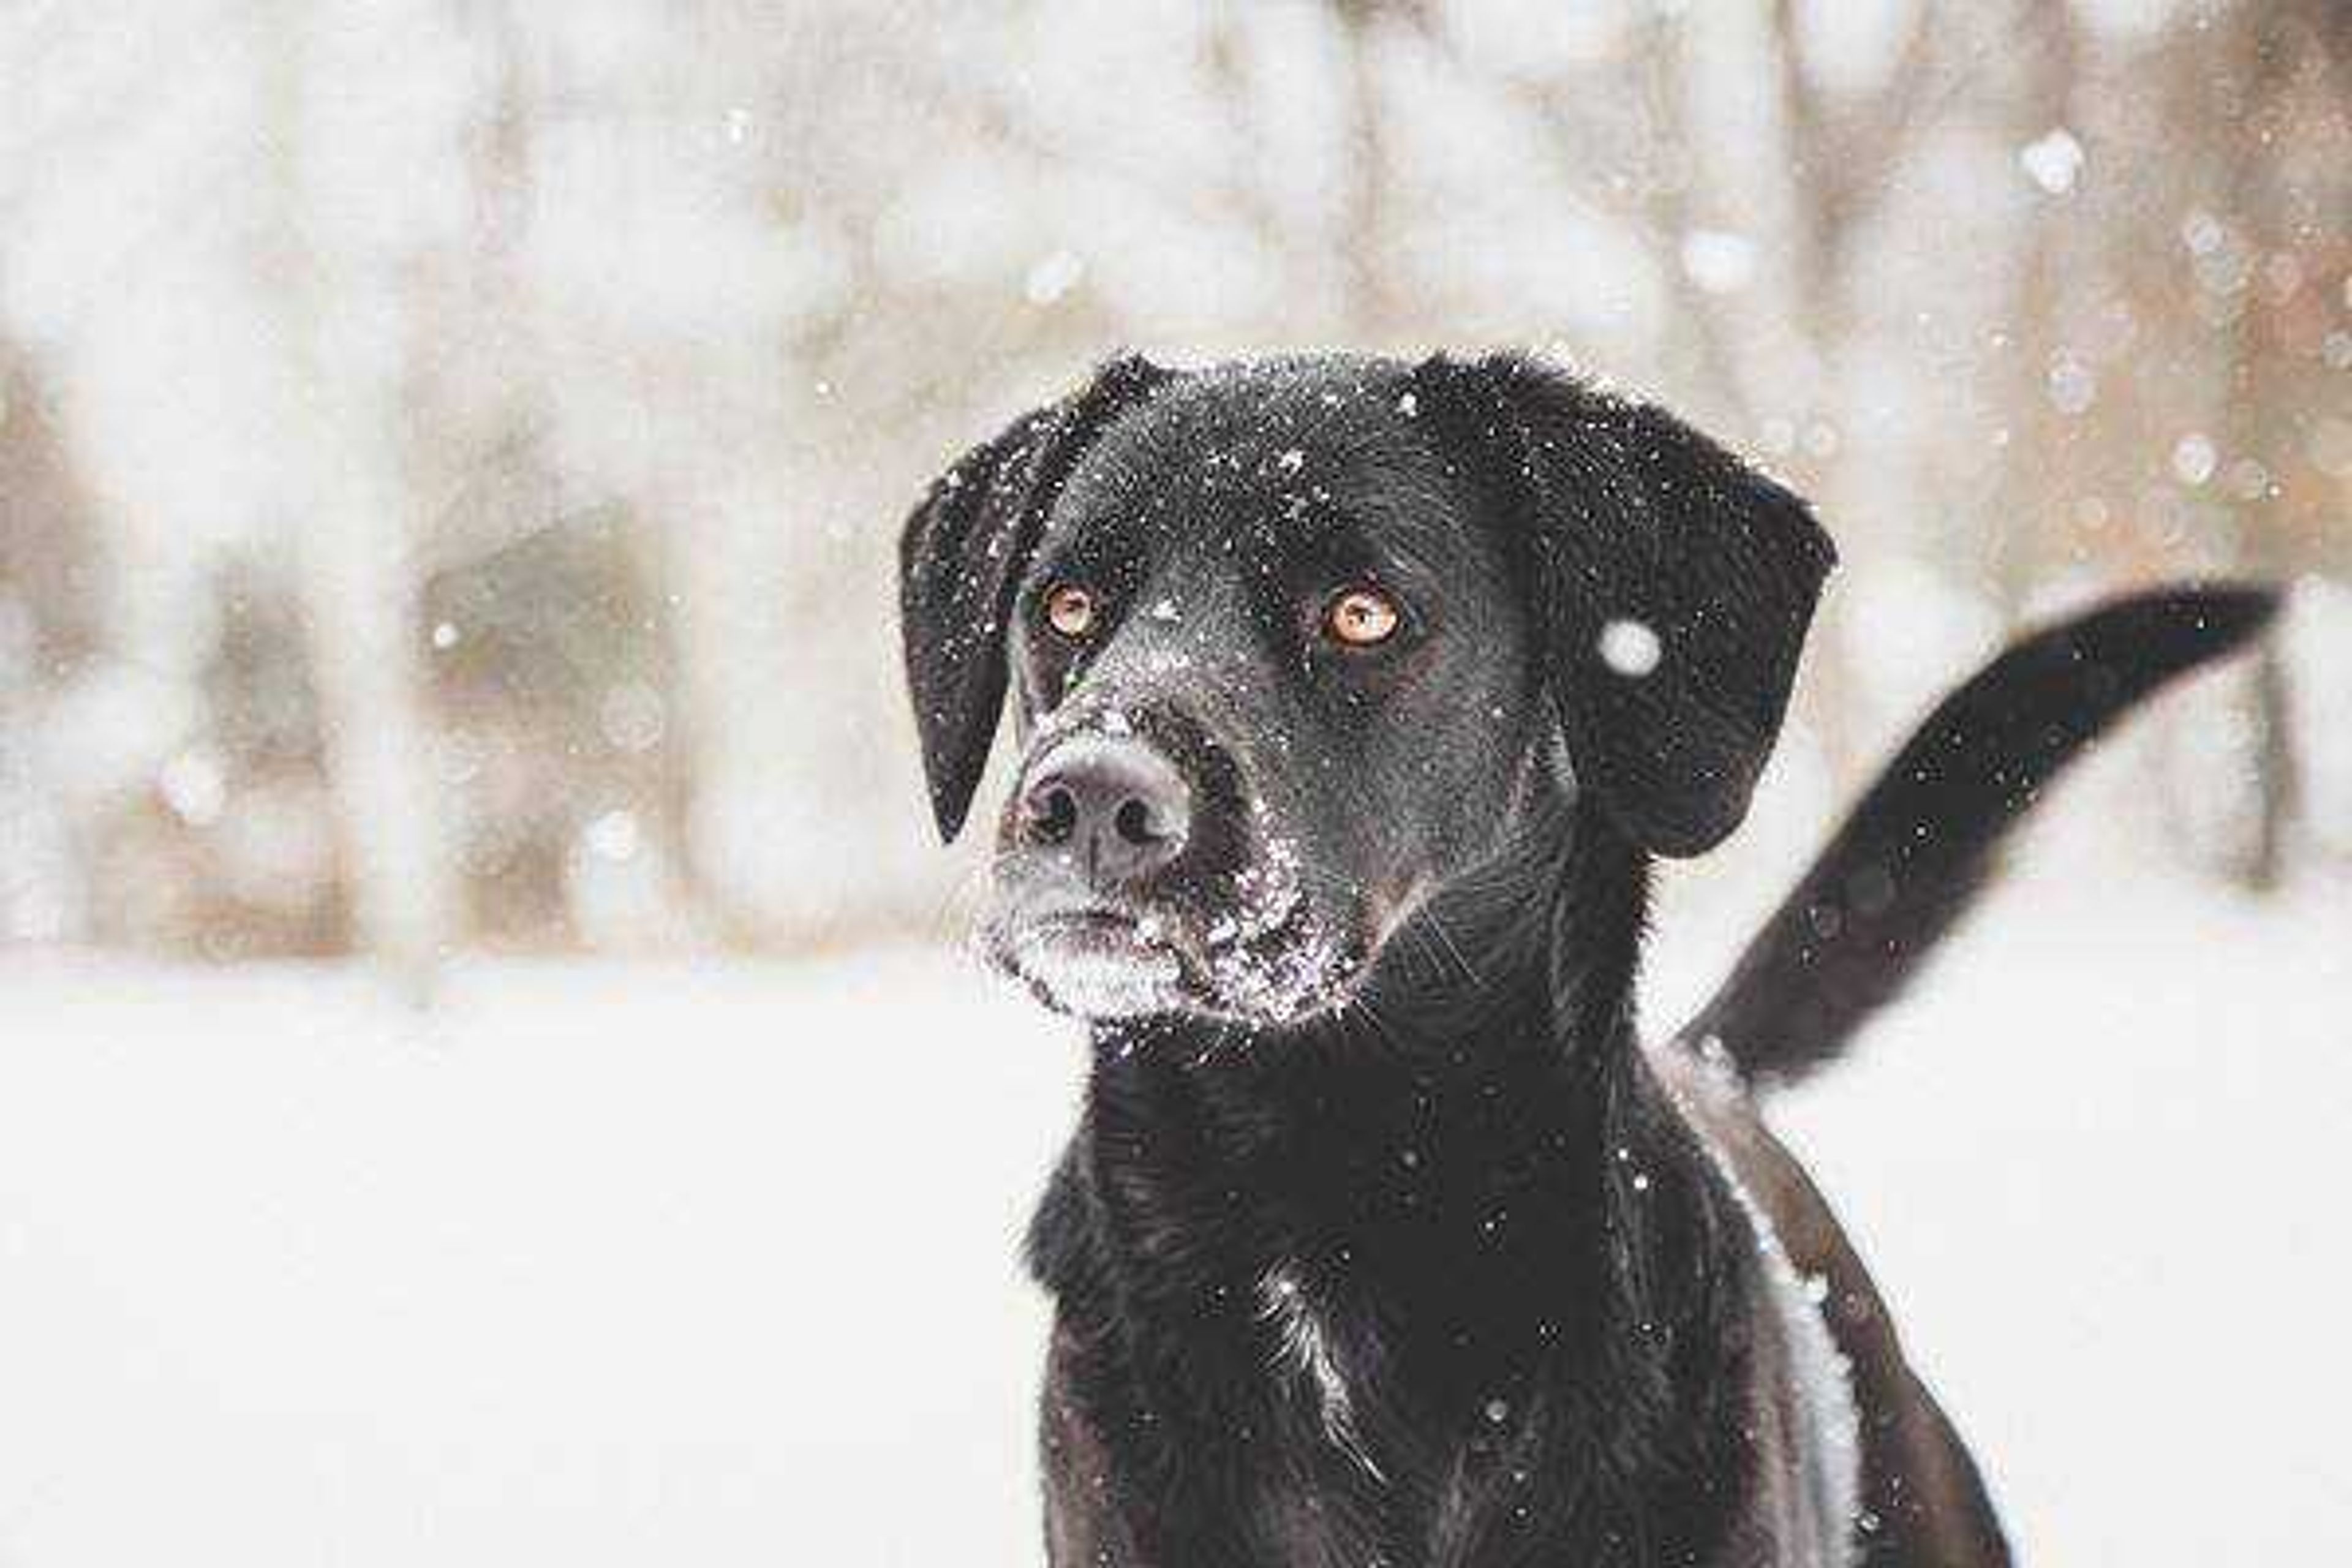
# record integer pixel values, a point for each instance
(1437, 929)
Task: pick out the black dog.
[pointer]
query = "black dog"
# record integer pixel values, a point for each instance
(1355, 699)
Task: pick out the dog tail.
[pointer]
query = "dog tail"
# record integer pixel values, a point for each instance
(1924, 840)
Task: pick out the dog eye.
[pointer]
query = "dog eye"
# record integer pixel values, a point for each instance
(1361, 618)
(1070, 610)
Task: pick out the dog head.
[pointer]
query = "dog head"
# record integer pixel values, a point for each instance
(1295, 645)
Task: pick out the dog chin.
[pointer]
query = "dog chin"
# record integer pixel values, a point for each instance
(1089, 973)
(1109, 976)
(1105, 974)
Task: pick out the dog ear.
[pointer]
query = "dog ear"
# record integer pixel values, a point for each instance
(1674, 585)
(960, 557)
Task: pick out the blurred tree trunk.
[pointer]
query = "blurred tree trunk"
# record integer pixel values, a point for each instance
(349, 514)
(661, 545)
(2034, 456)
(1842, 162)
(1367, 307)
(2268, 57)
(49, 622)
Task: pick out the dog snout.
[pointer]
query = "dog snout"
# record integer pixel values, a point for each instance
(1117, 805)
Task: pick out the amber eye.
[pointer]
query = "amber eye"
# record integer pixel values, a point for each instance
(1070, 610)
(1361, 618)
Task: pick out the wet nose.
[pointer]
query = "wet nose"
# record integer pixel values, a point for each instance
(1119, 805)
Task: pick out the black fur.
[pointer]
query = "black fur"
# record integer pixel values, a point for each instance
(1639, 520)
(1403, 1088)
(1545, 1351)
(1923, 841)
(959, 560)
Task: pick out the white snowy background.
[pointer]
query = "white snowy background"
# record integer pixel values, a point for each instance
(484, 1071)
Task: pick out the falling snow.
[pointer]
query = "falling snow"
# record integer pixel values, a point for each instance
(1053, 275)
(1718, 261)
(1630, 648)
(2193, 459)
(2053, 161)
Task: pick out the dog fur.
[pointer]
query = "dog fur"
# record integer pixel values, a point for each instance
(1384, 1237)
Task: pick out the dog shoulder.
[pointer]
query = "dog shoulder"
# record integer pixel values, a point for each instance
(1915, 1495)
(1806, 1418)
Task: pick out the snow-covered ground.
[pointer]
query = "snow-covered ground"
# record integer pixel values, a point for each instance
(713, 1264)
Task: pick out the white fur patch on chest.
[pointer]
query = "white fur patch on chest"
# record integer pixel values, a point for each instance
(1828, 1421)
(1304, 1354)
(1825, 1382)
(1829, 1435)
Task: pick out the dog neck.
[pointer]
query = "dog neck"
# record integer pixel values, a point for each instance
(1456, 1234)
(1521, 970)
(1457, 1133)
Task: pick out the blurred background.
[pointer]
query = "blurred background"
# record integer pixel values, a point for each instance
(451, 452)
(451, 458)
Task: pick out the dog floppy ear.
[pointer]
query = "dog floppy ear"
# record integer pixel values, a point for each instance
(1674, 585)
(960, 557)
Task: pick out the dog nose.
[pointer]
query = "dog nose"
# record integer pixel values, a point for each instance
(1117, 803)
